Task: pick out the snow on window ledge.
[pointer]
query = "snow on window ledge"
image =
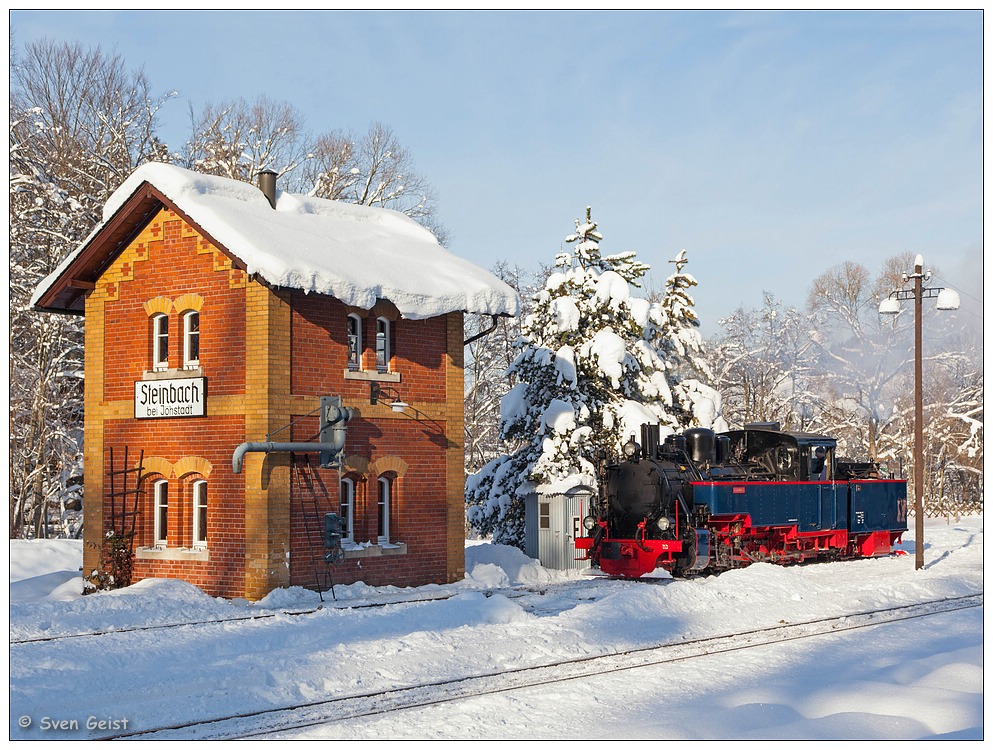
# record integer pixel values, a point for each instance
(383, 549)
(382, 377)
(169, 374)
(197, 554)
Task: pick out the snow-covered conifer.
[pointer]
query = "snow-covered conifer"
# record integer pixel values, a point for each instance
(596, 362)
(695, 403)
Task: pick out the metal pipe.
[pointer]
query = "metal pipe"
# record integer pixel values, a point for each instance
(239, 452)
(495, 321)
(267, 184)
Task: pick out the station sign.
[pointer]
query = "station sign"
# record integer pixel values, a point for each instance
(181, 397)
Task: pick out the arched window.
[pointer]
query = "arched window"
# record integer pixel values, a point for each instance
(160, 342)
(160, 492)
(354, 342)
(382, 345)
(347, 509)
(191, 340)
(200, 513)
(385, 485)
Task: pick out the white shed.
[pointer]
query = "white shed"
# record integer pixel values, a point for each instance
(552, 523)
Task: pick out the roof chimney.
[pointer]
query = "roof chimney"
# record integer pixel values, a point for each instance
(267, 184)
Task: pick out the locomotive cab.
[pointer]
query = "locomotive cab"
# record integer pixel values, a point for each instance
(777, 456)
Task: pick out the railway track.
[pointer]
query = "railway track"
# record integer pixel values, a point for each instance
(510, 593)
(223, 620)
(272, 721)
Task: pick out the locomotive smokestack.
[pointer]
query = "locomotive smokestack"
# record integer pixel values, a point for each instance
(267, 184)
(650, 440)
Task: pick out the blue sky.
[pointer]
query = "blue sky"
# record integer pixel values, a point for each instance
(770, 145)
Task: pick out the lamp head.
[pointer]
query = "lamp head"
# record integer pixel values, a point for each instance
(631, 449)
(889, 306)
(948, 299)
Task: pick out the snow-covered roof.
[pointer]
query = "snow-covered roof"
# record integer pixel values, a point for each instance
(357, 254)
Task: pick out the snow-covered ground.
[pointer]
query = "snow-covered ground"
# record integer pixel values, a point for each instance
(917, 678)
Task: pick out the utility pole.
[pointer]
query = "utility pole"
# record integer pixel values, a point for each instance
(947, 300)
(918, 416)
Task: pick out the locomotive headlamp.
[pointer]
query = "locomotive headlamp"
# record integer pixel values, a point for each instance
(589, 523)
(663, 523)
(631, 449)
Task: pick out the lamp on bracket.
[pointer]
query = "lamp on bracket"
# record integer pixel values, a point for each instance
(380, 394)
(947, 299)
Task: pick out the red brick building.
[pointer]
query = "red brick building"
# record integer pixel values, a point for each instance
(218, 315)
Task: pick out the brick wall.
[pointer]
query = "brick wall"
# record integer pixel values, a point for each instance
(165, 450)
(168, 268)
(422, 372)
(417, 512)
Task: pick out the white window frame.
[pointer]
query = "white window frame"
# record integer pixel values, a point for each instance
(385, 487)
(199, 503)
(346, 508)
(383, 337)
(189, 362)
(160, 495)
(160, 342)
(356, 363)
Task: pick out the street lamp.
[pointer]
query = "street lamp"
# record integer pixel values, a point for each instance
(379, 393)
(947, 299)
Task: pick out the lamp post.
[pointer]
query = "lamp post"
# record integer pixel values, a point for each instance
(947, 300)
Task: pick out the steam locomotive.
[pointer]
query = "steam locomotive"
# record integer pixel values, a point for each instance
(703, 502)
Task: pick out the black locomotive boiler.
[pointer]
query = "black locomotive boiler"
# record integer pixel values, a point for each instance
(705, 502)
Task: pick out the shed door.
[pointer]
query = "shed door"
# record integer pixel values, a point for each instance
(548, 535)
